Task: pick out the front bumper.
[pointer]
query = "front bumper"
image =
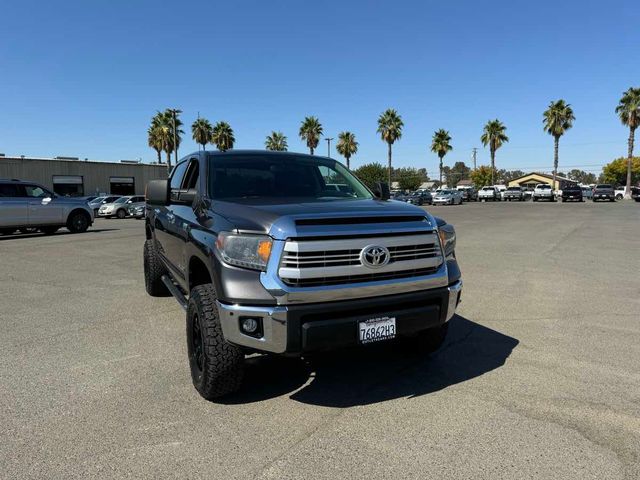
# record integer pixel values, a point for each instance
(296, 329)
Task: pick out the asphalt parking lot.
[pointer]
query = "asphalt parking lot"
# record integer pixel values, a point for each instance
(539, 377)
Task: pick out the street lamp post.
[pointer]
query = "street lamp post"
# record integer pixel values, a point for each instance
(328, 140)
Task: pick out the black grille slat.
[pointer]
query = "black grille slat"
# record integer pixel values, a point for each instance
(359, 220)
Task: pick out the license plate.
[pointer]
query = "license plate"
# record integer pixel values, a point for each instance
(377, 329)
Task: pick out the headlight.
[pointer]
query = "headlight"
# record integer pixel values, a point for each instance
(448, 238)
(249, 251)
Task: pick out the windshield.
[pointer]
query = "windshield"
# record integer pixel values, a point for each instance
(604, 185)
(121, 200)
(544, 187)
(281, 176)
(487, 188)
(444, 192)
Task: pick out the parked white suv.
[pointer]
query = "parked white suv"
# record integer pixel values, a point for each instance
(543, 191)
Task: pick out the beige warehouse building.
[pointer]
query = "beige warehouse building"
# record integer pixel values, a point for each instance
(75, 177)
(530, 180)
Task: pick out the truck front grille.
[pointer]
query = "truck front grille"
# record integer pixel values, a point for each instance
(307, 263)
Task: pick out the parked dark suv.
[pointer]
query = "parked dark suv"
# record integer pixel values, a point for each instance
(265, 258)
(572, 193)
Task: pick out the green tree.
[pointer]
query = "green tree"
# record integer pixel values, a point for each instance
(201, 131)
(347, 146)
(581, 176)
(163, 125)
(557, 119)
(616, 172)
(409, 178)
(505, 176)
(483, 176)
(390, 129)
(440, 145)
(628, 110)
(277, 142)
(458, 172)
(310, 132)
(494, 135)
(371, 173)
(154, 139)
(222, 136)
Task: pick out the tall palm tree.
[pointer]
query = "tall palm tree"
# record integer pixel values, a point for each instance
(628, 110)
(154, 139)
(347, 146)
(201, 131)
(310, 132)
(494, 135)
(557, 119)
(390, 129)
(222, 136)
(277, 142)
(162, 123)
(441, 145)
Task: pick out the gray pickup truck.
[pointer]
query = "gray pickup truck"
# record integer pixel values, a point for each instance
(265, 257)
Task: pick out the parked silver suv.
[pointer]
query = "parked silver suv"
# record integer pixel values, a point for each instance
(25, 205)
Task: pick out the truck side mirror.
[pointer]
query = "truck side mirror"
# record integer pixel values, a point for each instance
(157, 192)
(381, 191)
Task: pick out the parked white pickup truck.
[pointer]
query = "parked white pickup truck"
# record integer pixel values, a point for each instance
(488, 193)
(543, 191)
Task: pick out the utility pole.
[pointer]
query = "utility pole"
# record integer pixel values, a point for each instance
(475, 152)
(328, 140)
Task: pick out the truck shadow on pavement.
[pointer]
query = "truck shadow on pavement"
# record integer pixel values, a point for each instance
(377, 373)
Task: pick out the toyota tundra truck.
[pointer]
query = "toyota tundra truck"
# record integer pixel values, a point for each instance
(265, 257)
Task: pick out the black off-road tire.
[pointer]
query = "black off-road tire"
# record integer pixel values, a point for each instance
(78, 221)
(430, 340)
(49, 230)
(217, 367)
(153, 271)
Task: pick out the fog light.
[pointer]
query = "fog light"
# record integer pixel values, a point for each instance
(249, 325)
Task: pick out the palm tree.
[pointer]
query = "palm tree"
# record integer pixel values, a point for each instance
(202, 130)
(162, 124)
(154, 139)
(310, 132)
(557, 119)
(390, 129)
(629, 112)
(494, 135)
(277, 142)
(440, 144)
(347, 146)
(222, 136)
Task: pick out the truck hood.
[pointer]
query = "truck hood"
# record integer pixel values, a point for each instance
(279, 219)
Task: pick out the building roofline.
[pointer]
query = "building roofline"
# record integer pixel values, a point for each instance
(101, 162)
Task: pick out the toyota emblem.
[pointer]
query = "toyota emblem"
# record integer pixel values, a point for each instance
(374, 256)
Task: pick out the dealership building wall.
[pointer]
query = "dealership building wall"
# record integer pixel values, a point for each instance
(82, 177)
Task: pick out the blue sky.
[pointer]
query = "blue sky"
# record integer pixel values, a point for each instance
(83, 78)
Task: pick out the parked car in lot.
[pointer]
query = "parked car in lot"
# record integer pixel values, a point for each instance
(489, 193)
(604, 191)
(619, 193)
(447, 197)
(28, 206)
(469, 194)
(635, 193)
(97, 202)
(137, 211)
(543, 192)
(514, 193)
(251, 244)
(572, 193)
(501, 190)
(587, 192)
(119, 208)
(419, 198)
